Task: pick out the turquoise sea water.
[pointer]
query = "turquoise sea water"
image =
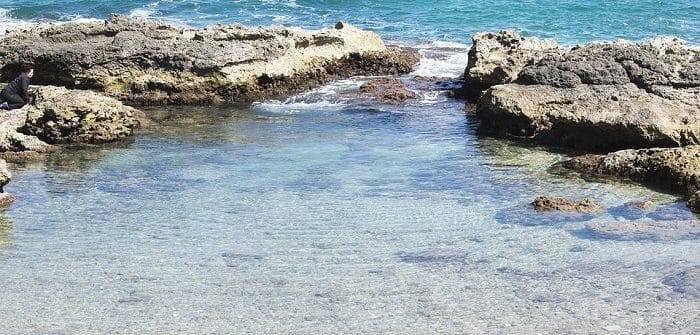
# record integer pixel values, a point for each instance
(326, 213)
(568, 21)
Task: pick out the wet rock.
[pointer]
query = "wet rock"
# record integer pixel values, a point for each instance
(498, 58)
(674, 169)
(645, 205)
(546, 204)
(60, 115)
(646, 230)
(5, 176)
(150, 62)
(601, 96)
(685, 282)
(387, 90)
(694, 202)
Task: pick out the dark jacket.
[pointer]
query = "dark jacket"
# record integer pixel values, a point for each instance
(19, 86)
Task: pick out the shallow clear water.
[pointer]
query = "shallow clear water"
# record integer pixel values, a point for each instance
(324, 214)
(327, 213)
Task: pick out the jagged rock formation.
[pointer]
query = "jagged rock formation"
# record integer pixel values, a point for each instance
(60, 115)
(602, 97)
(498, 58)
(150, 62)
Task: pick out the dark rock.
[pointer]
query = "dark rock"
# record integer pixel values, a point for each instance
(546, 204)
(674, 169)
(694, 202)
(387, 90)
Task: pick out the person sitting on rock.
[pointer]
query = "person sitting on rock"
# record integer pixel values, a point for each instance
(16, 93)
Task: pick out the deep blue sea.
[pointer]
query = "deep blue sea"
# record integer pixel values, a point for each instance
(330, 213)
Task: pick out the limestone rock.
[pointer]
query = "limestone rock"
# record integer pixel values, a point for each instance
(498, 58)
(602, 97)
(674, 169)
(387, 90)
(646, 230)
(60, 115)
(151, 62)
(600, 118)
(15, 145)
(545, 204)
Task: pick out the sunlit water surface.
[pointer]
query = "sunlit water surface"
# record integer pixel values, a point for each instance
(325, 213)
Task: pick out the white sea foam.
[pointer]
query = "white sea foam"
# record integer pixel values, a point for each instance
(293, 106)
(7, 22)
(446, 65)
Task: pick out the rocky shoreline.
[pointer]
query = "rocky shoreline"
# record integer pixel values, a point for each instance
(143, 62)
(87, 72)
(640, 98)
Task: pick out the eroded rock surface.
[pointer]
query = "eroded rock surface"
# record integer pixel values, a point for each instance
(602, 96)
(60, 115)
(498, 58)
(151, 62)
(387, 90)
(546, 204)
(674, 169)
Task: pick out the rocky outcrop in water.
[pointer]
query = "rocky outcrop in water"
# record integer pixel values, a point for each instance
(674, 169)
(15, 145)
(60, 115)
(547, 204)
(601, 97)
(387, 90)
(498, 58)
(151, 62)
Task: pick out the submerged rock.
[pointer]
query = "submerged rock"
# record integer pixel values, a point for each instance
(601, 96)
(387, 90)
(646, 230)
(60, 115)
(151, 62)
(498, 58)
(685, 282)
(546, 204)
